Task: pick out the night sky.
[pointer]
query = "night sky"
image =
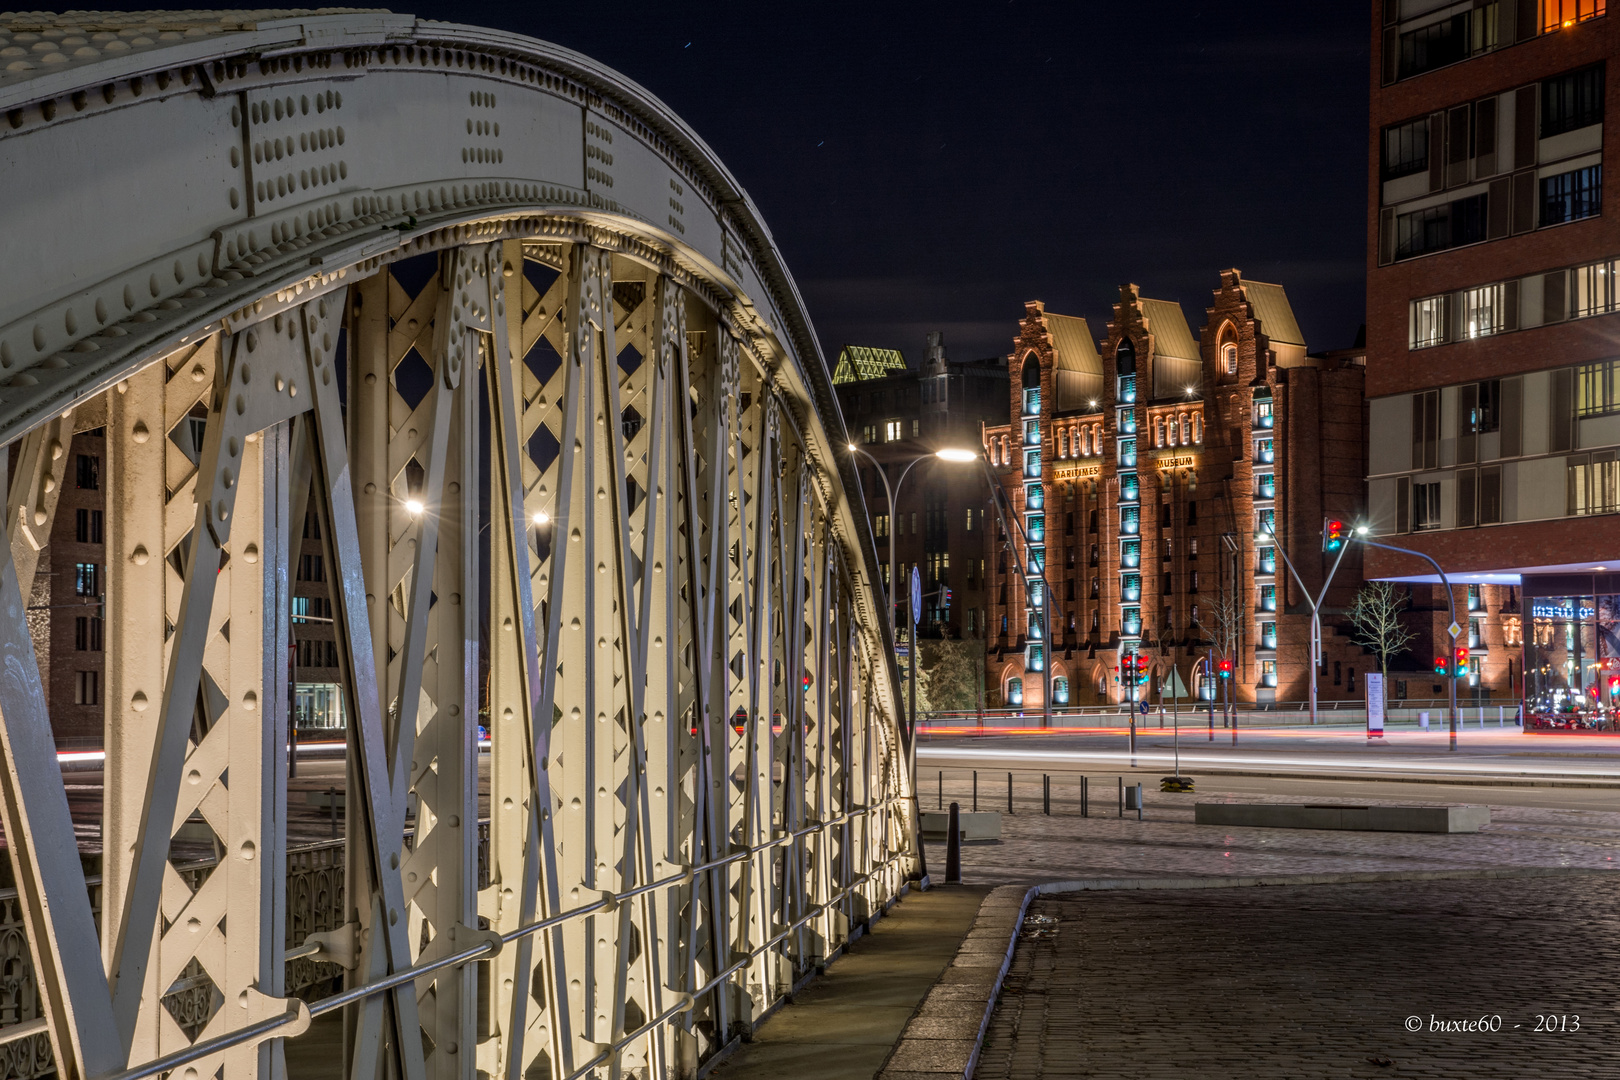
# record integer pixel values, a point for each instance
(934, 166)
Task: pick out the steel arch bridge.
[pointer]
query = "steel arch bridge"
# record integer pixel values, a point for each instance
(696, 785)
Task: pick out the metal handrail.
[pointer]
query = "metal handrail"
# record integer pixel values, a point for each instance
(267, 1028)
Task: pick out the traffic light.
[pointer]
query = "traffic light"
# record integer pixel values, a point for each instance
(1461, 668)
(1226, 669)
(1614, 685)
(947, 598)
(1440, 665)
(808, 680)
(1333, 534)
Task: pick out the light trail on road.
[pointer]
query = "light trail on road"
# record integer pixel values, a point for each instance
(1202, 759)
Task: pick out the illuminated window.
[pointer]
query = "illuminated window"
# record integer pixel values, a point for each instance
(1229, 359)
(1015, 691)
(892, 431)
(1426, 322)
(1060, 690)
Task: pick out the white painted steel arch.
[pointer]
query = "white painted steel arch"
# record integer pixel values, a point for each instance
(697, 787)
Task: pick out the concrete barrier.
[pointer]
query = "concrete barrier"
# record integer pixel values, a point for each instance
(973, 824)
(1431, 819)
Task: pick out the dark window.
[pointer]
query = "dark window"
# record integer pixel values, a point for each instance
(1092, 521)
(311, 568)
(88, 473)
(1441, 227)
(1095, 582)
(1094, 554)
(87, 579)
(87, 633)
(1164, 515)
(1488, 410)
(87, 526)
(1572, 100)
(87, 688)
(1338, 673)
(1071, 589)
(312, 525)
(1192, 582)
(1406, 148)
(1068, 524)
(1166, 588)
(1435, 45)
(1425, 506)
(1571, 196)
(1192, 515)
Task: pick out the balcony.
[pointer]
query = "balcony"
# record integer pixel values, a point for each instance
(1130, 554)
(1131, 588)
(1127, 390)
(1263, 454)
(1127, 421)
(1267, 563)
(1130, 488)
(1265, 487)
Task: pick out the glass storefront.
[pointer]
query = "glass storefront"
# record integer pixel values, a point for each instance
(1572, 663)
(319, 708)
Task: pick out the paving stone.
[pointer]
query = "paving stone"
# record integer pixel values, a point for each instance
(1269, 983)
(932, 1055)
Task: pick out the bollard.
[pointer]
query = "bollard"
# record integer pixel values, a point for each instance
(292, 751)
(1122, 796)
(942, 789)
(331, 809)
(1009, 795)
(1085, 810)
(975, 791)
(953, 847)
(1046, 795)
(1138, 802)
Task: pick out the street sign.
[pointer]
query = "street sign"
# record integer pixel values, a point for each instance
(1454, 630)
(916, 596)
(1374, 683)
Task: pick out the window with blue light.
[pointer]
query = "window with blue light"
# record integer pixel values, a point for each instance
(1037, 658)
(1032, 463)
(1034, 497)
(1268, 485)
(1127, 389)
(1032, 433)
(1127, 453)
(1035, 627)
(1268, 560)
(1060, 690)
(1268, 635)
(1130, 520)
(1036, 595)
(1133, 621)
(1037, 559)
(1130, 553)
(1132, 585)
(1268, 598)
(1032, 401)
(1015, 691)
(1129, 487)
(1037, 528)
(1268, 522)
(1262, 451)
(1127, 421)
(1262, 412)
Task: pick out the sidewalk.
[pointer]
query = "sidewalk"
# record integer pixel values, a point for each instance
(845, 1023)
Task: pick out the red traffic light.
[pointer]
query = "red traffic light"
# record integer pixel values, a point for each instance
(1333, 534)
(1440, 665)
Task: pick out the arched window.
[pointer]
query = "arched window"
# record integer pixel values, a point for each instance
(1158, 431)
(1125, 357)
(1060, 689)
(1198, 429)
(1170, 431)
(1015, 691)
(1229, 358)
(1063, 444)
(1186, 428)
(1031, 373)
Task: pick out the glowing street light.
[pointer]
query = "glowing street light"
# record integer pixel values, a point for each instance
(956, 456)
(541, 518)
(414, 507)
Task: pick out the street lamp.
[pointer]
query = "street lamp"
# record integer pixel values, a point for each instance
(949, 454)
(1315, 602)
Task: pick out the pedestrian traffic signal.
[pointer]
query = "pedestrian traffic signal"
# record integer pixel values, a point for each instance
(1614, 685)
(1226, 669)
(1333, 535)
(1440, 665)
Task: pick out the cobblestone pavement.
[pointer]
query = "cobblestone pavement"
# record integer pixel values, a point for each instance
(1037, 848)
(1317, 981)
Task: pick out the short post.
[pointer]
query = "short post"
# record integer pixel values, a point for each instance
(942, 789)
(331, 809)
(975, 791)
(1122, 796)
(1499, 722)
(1138, 802)
(292, 750)
(1085, 809)
(953, 847)
(1009, 795)
(1046, 795)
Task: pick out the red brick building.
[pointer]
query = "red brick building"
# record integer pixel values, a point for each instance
(1155, 473)
(1493, 407)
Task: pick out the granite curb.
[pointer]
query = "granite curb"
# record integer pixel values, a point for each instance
(944, 1036)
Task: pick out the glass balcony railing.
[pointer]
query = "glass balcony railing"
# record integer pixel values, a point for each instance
(1131, 588)
(1266, 487)
(1032, 401)
(1129, 523)
(1268, 599)
(1263, 453)
(1268, 641)
(1132, 627)
(1127, 453)
(1130, 488)
(1034, 497)
(1127, 389)
(1268, 561)
(1032, 433)
(1268, 678)
(1130, 554)
(1127, 421)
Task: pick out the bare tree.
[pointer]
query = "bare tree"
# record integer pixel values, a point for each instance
(1375, 620)
(1225, 621)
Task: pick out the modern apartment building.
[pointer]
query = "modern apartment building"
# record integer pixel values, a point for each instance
(1492, 341)
(899, 415)
(1155, 474)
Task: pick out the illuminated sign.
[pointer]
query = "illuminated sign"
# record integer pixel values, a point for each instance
(1176, 461)
(1076, 472)
(1559, 609)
